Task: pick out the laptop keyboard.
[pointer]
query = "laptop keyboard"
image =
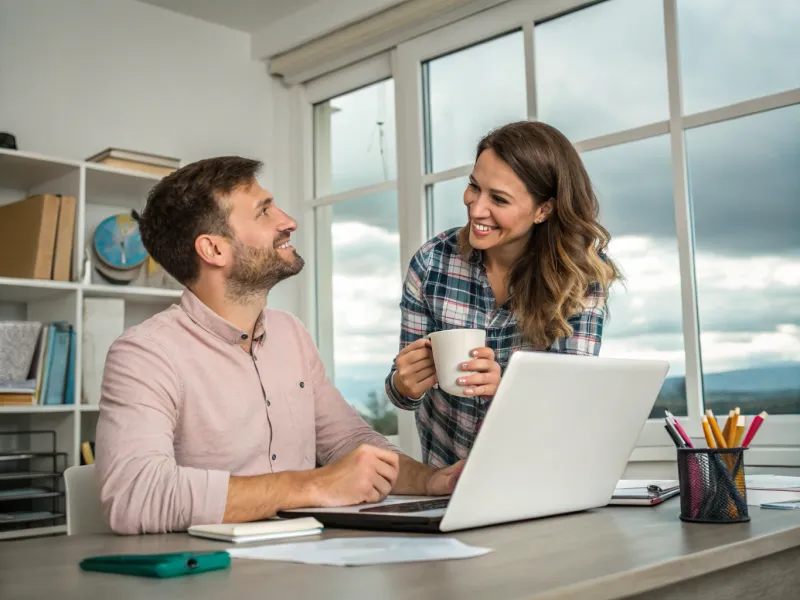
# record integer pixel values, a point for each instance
(408, 507)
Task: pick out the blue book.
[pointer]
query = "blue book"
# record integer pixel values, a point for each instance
(69, 393)
(45, 358)
(58, 355)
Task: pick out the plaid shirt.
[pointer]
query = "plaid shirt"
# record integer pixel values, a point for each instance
(444, 291)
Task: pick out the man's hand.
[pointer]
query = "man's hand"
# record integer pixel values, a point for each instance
(416, 372)
(365, 475)
(443, 481)
(485, 381)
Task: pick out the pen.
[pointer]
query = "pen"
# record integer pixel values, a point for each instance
(712, 422)
(680, 429)
(675, 437)
(757, 421)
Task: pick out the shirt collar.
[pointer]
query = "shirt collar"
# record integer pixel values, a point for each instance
(206, 318)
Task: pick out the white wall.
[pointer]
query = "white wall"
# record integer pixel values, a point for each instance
(79, 76)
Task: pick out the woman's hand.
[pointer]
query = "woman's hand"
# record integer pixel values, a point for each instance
(415, 373)
(486, 380)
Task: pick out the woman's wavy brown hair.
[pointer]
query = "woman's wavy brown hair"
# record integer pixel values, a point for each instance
(566, 254)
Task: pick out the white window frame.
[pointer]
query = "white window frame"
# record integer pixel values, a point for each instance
(779, 445)
(317, 213)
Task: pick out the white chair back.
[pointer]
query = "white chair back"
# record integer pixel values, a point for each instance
(84, 515)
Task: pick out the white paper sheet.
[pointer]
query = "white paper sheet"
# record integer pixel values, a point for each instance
(758, 497)
(360, 551)
(633, 484)
(772, 482)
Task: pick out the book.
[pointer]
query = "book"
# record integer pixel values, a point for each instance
(28, 229)
(636, 492)
(141, 161)
(257, 531)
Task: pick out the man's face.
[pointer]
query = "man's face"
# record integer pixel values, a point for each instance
(262, 254)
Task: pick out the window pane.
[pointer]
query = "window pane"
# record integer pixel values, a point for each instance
(735, 50)
(745, 186)
(354, 139)
(366, 295)
(602, 69)
(469, 93)
(446, 200)
(634, 188)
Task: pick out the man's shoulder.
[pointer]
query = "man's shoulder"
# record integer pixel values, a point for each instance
(285, 322)
(157, 330)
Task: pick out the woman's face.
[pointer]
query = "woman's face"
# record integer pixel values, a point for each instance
(500, 209)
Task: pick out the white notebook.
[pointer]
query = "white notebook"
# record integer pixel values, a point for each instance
(272, 529)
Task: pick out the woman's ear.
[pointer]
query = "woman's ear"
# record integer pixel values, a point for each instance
(543, 211)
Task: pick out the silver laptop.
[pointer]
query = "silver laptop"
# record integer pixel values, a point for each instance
(556, 439)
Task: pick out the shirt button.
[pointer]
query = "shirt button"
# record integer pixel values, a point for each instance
(274, 456)
(302, 384)
(269, 403)
(244, 336)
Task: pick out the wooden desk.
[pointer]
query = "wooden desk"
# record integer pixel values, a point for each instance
(613, 552)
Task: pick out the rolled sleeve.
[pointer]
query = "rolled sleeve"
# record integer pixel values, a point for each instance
(416, 323)
(142, 488)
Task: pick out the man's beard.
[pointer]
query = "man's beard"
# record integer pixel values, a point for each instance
(255, 271)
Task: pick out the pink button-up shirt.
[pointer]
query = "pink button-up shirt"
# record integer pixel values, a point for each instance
(184, 406)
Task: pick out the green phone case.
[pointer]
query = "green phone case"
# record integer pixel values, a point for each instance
(158, 565)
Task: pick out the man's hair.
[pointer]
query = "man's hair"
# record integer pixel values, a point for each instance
(188, 203)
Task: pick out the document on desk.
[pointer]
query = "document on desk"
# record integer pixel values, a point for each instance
(359, 551)
(759, 481)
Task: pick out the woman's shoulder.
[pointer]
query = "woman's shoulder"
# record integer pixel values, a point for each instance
(445, 243)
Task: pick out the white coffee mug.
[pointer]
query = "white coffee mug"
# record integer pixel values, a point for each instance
(451, 347)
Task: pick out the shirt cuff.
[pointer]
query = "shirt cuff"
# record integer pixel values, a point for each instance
(212, 509)
(400, 400)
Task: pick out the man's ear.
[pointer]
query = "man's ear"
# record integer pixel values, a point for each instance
(210, 249)
(543, 211)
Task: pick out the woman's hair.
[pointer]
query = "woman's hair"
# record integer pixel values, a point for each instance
(565, 254)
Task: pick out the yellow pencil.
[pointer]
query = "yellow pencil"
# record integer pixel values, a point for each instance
(707, 433)
(729, 422)
(721, 443)
(734, 422)
(739, 431)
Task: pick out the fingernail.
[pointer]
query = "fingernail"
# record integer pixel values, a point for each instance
(462, 381)
(474, 353)
(468, 391)
(464, 365)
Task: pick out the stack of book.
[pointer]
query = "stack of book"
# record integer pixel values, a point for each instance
(37, 235)
(137, 161)
(52, 374)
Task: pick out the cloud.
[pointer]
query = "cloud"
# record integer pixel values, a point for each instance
(736, 50)
(602, 69)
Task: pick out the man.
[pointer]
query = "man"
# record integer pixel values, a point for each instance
(219, 409)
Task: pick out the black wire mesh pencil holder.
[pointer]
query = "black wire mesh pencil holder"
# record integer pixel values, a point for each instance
(712, 485)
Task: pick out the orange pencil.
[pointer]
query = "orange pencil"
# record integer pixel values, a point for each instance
(728, 424)
(721, 443)
(707, 433)
(739, 432)
(733, 422)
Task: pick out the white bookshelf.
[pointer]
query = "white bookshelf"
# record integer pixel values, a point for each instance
(101, 191)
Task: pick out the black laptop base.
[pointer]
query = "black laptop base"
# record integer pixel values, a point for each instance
(379, 522)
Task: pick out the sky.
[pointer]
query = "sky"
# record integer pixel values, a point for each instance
(599, 71)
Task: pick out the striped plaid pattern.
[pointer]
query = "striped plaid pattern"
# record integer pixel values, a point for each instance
(444, 291)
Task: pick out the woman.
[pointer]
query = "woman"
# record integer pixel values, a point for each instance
(529, 268)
